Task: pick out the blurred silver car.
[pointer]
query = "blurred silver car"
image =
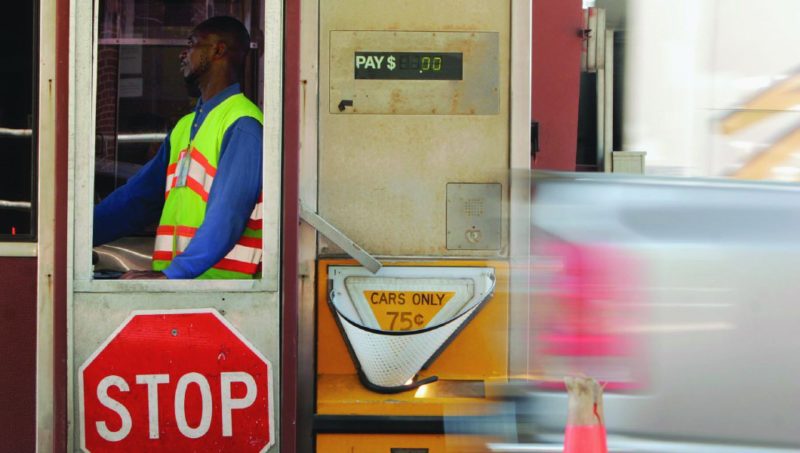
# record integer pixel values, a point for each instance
(682, 296)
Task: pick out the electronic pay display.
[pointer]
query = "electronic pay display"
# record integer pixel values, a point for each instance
(414, 73)
(409, 65)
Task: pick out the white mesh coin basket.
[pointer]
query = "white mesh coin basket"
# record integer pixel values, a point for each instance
(388, 323)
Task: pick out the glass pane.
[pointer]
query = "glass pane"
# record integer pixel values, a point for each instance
(16, 120)
(141, 94)
(163, 20)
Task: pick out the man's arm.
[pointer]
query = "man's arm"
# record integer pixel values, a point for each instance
(236, 188)
(135, 205)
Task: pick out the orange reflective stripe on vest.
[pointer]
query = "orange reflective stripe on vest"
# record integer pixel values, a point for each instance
(255, 222)
(243, 257)
(200, 177)
(170, 178)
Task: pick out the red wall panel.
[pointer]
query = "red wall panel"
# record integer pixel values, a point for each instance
(61, 227)
(17, 354)
(292, 439)
(556, 80)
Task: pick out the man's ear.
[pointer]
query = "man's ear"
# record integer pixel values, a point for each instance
(220, 50)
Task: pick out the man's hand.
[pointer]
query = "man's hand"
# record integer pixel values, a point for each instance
(143, 275)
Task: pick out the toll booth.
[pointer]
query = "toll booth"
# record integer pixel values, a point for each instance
(414, 246)
(413, 118)
(163, 365)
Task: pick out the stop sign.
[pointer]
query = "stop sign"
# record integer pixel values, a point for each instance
(176, 380)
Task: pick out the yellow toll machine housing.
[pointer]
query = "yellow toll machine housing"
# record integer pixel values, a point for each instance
(471, 358)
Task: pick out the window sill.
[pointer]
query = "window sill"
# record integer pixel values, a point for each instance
(18, 249)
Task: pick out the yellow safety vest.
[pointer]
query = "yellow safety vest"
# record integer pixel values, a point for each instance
(185, 205)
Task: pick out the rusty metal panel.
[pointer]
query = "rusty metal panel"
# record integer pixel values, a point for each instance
(475, 93)
(383, 177)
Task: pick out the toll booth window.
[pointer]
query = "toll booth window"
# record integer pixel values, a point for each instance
(17, 120)
(141, 95)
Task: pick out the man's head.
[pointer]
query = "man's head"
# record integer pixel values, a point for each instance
(216, 48)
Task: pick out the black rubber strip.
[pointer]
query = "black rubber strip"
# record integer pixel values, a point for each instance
(378, 424)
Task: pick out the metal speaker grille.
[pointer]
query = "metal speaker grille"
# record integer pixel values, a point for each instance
(474, 207)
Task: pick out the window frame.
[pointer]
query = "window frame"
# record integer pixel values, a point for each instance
(24, 245)
(83, 96)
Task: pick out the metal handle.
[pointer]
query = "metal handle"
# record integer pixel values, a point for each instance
(331, 232)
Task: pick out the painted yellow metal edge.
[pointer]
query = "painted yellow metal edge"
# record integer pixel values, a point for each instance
(431, 443)
(344, 394)
(358, 443)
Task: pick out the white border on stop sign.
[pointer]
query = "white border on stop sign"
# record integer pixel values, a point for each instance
(179, 311)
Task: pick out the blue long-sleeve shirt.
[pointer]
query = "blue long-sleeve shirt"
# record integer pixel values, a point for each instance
(236, 187)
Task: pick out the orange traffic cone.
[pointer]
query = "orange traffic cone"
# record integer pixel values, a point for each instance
(586, 431)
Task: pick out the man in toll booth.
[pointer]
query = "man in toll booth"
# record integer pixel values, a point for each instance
(205, 181)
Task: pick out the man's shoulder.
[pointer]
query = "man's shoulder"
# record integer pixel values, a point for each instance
(241, 103)
(185, 119)
(248, 125)
(238, 107)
